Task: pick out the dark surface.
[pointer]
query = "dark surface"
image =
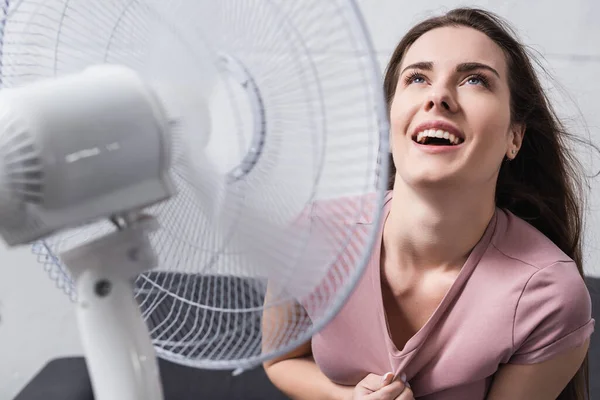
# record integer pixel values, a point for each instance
(67, 378)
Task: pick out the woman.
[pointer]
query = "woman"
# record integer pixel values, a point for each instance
(476, 290)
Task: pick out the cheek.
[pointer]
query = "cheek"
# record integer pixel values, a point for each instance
(490, 121)
(401, 111)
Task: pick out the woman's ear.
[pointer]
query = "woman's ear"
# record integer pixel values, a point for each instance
(515, 140)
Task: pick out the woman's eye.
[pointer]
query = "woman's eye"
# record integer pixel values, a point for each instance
(476, 80)
(414, 77)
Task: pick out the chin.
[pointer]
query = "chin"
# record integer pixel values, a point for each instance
(432, 180)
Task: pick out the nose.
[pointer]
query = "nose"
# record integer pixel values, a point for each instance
(441, 99)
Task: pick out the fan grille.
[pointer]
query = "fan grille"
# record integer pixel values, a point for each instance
(307, 213)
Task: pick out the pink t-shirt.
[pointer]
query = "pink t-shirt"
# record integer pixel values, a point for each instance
(518, 299)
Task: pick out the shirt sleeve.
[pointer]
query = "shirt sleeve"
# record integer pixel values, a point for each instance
(554, 314)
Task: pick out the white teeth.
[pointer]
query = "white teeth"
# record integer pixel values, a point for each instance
(437, 134)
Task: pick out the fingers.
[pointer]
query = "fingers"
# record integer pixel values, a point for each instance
(386, 379)
(391, 391)
(376, 387)
(406, 394)
(373, 382)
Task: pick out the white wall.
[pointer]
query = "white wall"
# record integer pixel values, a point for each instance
(36, 320)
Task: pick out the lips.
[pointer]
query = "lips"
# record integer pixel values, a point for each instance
(437, 137)
(437, 133)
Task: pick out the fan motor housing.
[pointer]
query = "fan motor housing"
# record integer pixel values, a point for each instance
(97, 144)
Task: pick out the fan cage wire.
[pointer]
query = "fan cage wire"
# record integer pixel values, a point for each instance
(255, 356)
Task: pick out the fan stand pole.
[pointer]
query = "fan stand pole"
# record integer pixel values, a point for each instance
(119, 354)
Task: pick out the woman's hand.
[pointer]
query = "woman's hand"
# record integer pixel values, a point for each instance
(377, 387)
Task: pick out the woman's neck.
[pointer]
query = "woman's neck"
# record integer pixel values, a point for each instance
(435, 228)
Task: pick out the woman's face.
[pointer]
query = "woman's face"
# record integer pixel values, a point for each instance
(452, 83)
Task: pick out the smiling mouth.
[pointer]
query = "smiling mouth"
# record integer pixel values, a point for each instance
(433, 137)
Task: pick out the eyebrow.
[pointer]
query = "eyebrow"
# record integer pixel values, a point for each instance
(464, 67)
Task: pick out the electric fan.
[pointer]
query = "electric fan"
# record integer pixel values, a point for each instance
(204, 178)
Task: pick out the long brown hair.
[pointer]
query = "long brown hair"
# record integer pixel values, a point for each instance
(543, 185)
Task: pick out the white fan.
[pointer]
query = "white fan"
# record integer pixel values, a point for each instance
(170, 160)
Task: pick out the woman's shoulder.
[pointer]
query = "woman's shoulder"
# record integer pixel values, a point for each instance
(518, 240)
(553, 310)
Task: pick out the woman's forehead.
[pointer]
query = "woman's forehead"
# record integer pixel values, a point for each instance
(450, 46)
